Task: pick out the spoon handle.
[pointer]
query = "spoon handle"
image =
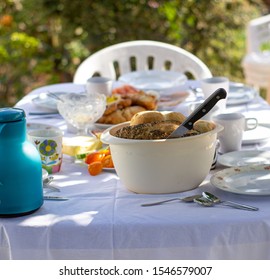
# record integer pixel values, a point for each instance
(60, 198)
(159, 202)
(48, 188)
(185, 199)
(239, 206)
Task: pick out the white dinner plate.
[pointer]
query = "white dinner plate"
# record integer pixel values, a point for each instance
(257, 135)
(44, 101)
(153, 79)
(35, 126)
(243, 158)
(108, 169)
(240, 94)
(250, 180)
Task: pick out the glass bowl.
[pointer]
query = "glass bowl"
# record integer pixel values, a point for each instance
(81, 110)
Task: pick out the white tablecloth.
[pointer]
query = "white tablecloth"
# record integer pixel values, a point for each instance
(103, 220)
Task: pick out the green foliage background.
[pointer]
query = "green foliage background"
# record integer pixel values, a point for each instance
(44, 41)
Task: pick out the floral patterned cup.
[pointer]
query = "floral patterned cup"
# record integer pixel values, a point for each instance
(49, 145)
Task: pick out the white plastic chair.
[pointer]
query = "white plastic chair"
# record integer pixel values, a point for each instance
(256, 63)
(121, 58)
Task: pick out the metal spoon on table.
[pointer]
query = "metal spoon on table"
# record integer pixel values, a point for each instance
(184, 199)
(54, 96)
(46, 185)
(203, 201)
(214, 199)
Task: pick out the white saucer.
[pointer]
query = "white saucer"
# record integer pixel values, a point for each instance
(240, 94)
(263, 116)
(243, 158)
(257, 135)
(249, 180)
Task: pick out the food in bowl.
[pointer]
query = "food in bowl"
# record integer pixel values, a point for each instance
(156, 125)
(161, 165)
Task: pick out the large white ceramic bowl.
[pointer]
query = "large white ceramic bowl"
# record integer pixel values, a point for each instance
(162, 166)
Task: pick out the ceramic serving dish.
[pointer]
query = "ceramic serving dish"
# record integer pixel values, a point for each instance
(162, 166)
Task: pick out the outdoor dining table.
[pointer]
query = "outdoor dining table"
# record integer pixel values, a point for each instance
(103, 220)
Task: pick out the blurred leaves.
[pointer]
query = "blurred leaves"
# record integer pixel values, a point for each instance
(44, 41)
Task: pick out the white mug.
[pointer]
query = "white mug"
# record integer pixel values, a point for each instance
(234, 124)
(99, 85)
(210, 85)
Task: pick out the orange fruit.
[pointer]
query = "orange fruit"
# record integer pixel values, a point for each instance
(107, 162)
(96, 156)
(95, 168)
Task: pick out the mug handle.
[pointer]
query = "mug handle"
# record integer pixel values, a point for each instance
(251, 123)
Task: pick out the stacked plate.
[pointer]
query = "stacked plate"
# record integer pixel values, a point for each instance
(159, 81)
(249, 173)
(240, 94)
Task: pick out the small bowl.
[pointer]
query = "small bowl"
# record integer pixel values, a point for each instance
(162, 166)
(81, 109)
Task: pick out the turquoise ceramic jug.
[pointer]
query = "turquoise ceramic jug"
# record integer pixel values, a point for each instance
(21, 189)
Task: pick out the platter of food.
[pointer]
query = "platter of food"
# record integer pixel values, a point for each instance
(98, 161)
(124, 103)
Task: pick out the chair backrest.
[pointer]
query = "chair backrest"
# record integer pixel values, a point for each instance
(258, 34)
(139, 55)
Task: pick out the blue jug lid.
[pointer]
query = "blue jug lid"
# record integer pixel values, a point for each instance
(11, 115)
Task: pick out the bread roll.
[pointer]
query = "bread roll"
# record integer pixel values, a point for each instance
(146, 117)
(174, 116)
(203, 126)
(121, 115)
